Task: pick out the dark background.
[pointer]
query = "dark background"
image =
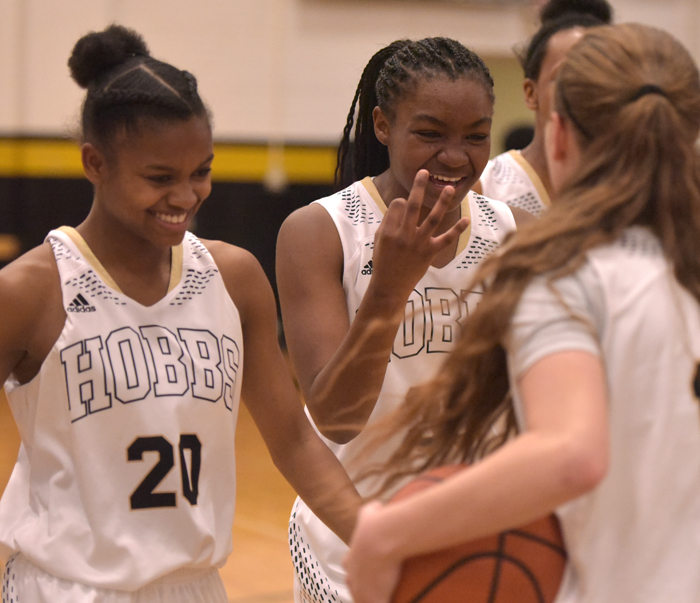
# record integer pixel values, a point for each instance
(244, 214)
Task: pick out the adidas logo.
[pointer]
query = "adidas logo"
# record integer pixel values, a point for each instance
(368, 268)
(80, 304)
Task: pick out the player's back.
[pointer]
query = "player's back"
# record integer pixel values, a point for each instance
(638, 533)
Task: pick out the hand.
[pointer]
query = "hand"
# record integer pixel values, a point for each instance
(372, 572)
(403, 248)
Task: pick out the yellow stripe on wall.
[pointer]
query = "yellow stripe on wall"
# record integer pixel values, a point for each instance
(37, 158)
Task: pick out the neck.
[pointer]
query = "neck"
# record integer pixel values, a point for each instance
(535, 155)
(140, 269)
(116, 246)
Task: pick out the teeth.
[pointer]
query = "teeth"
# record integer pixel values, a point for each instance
(444, 178)
(171, 218)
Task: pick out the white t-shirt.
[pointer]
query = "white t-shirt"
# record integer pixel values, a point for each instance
(635, 537)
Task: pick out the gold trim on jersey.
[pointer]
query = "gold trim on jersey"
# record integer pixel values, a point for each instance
(464, 237)
(533, 176)
(175, 266)
(176, 255)
(368, 183)
(370, 187)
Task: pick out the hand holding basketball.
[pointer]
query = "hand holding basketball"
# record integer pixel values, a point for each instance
(523, 565)
(372, 573)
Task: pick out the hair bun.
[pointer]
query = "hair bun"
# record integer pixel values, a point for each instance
(555, 9)
(97, 53)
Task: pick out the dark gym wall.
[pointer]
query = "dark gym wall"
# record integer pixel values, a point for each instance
(240, 210)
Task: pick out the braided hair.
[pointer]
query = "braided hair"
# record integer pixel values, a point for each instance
(125, 84)
(390, 74)
(556, 16)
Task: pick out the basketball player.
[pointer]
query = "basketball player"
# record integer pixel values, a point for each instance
(125, 346)
(520, 178)
(592, 320)
(371, 278)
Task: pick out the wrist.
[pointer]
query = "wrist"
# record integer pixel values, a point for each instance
(386, 301)
(383, 535)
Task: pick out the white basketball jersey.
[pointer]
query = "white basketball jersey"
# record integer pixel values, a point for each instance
(510, 178)
(434, 311)
(126, 470)
(636, 536)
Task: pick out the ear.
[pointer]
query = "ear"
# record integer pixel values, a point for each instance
(531, 94)
(382, 127)
(94, 162)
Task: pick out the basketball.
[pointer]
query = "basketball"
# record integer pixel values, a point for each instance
(523, 565)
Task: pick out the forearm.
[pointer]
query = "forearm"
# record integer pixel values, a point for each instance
(322, 483)
(563, 453)
(344, 393)
(521, 482)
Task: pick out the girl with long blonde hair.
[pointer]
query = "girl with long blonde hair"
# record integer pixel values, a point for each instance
(588, 340)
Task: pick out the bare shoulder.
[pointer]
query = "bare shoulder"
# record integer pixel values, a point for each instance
(243, 275)
(308, 248)
(32, 312)
(230, 258)
(309, 223)
(30, 280)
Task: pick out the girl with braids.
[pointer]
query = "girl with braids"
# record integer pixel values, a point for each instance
(591, 320)
(520, 178)
(370, 278)
(122, 347)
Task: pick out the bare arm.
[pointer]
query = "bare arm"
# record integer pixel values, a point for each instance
(269, 393)
(341, 365)
(563, 454)
(31, 315)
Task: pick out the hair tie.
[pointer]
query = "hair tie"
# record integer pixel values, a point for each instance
(648, 89)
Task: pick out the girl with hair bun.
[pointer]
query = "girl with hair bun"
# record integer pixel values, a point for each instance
(373, 280)
(122, 347)
(520, 178)
(588, 335)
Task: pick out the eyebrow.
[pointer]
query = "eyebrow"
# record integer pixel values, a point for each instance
(155, 166)
(438, 122)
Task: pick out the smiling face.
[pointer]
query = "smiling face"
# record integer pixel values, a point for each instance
(155, 179)
(441, 125)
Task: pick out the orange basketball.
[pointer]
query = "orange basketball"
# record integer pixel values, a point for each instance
(523, 565)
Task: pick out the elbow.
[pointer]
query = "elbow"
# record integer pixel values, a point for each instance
(335, 433)
(337, 429)
(583, 467)
(342, 436)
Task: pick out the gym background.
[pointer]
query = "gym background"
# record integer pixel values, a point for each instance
(278, 75)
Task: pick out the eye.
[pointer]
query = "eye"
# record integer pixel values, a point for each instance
(428, 134)
(478, 137)
(203, 172)
(160, 178)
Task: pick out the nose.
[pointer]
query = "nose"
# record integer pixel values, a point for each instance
(185, 195)
(453, 155)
